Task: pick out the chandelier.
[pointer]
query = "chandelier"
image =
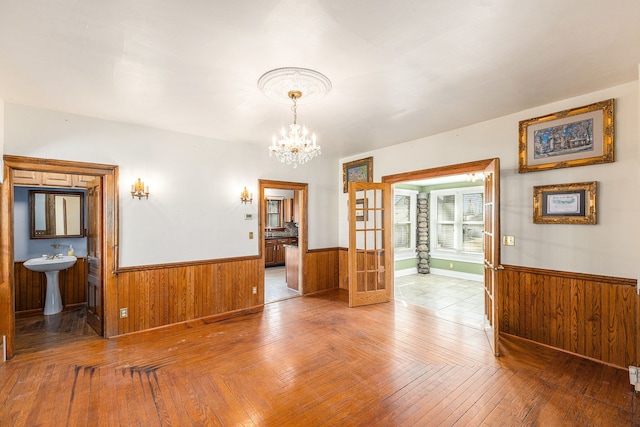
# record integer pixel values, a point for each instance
(295, 146)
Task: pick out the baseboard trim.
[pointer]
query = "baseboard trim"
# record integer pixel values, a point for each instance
(405, 272)
(458, 274)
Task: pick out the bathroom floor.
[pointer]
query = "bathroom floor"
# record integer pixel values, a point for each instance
(458, 300)
(36, 332)
(275, 285)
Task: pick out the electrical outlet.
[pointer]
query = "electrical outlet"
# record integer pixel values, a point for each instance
(251, 235)
(255, 290)
(124, 312)
(450, 265)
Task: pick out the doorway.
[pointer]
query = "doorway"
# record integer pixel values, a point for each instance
(459, 297)
(440, 268)
(108, 230)
(283, 238)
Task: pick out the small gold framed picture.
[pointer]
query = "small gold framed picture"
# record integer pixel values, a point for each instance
(565, 203)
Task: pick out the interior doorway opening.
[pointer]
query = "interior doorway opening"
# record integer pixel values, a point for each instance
(451, 286)
(438, 224)
(283, 231)
(108, 175)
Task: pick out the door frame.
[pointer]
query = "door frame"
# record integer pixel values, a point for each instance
(302, 225)
(456, 169)
(110, 192)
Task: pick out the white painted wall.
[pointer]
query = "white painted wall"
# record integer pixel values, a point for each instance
(194, 211)
(609, 248)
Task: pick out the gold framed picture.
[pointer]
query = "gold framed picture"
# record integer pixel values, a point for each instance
(565, 203)
(577, 137)
(357, 171)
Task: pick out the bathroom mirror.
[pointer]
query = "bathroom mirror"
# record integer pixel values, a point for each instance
(56, 214)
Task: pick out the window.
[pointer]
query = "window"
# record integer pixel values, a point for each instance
(457, 223)
(274, 213)
(404, 223)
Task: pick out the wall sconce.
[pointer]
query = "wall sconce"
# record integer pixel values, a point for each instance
(245, 196)
(139, 190)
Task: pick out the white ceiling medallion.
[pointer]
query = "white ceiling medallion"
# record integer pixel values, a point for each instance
(276, 84)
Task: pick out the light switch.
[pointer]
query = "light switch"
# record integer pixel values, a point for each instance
(251, 235)
(508, 240)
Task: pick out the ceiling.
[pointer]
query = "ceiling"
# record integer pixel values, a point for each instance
(400, 70)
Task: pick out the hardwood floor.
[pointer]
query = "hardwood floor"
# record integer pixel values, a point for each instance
(311, 361)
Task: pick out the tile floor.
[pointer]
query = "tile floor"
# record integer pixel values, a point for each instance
(454, 299)
(275, 285)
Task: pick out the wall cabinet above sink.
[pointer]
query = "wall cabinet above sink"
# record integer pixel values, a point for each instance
(49, 179)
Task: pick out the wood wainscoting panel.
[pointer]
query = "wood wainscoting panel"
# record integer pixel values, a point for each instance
(162, 295)
(593, 316)
(321, 270)
(344, 268)
(31, 286)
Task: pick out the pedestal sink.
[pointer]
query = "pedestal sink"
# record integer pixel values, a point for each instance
(51, 267)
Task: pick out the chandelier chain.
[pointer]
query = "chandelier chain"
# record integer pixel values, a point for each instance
(294, 108)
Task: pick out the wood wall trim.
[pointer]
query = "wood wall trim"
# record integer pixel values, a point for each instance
(58, 166)
(311, 251)
(7, 297)
(569, 275)
(206, 320)
(321, 271)
(181, 264)
(593, 316)
(517, 338)
(176, 294)
(460, 168)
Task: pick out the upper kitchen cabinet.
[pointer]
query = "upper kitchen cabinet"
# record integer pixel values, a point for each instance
(49, 179)
(291, 208)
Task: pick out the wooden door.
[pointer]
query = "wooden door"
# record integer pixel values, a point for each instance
(94, 256)
(492, 265)
(370, 246)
